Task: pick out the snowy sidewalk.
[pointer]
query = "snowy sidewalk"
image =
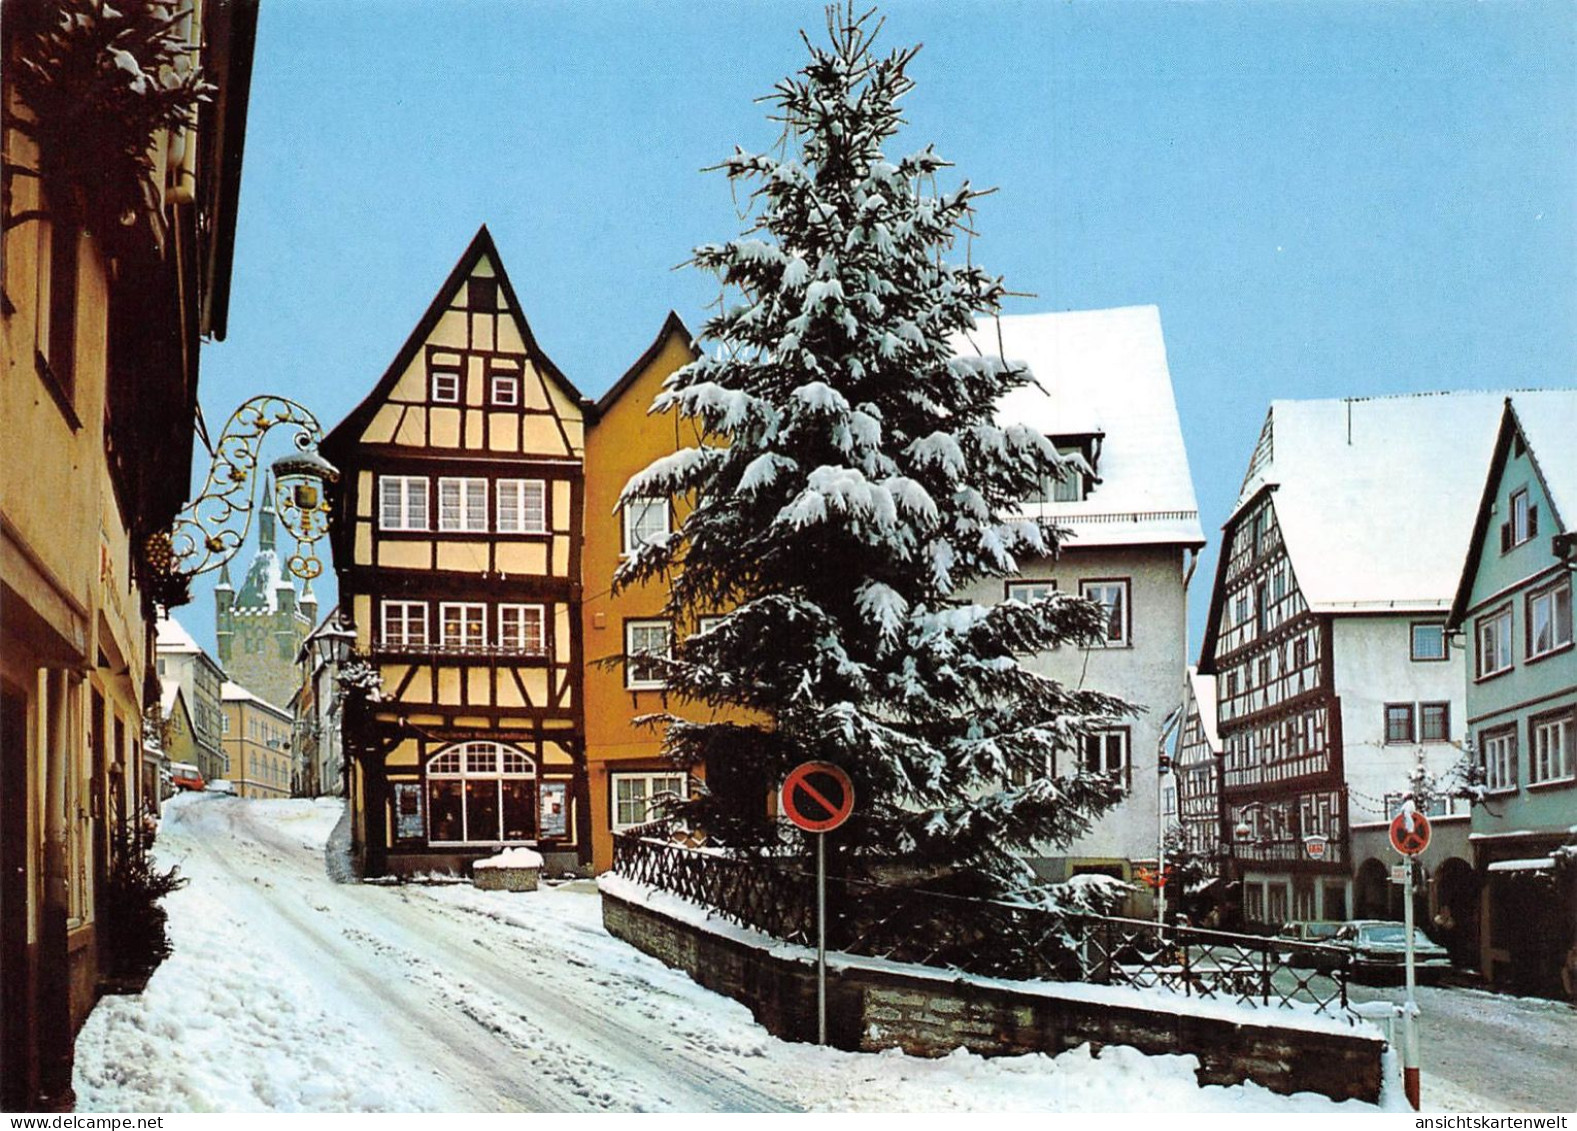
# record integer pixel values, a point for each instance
(291, 992)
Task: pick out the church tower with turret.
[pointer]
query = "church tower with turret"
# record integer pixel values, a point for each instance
(260, 628)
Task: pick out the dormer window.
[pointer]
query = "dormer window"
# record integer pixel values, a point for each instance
(1068, 489)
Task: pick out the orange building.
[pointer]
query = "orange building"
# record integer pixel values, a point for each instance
(624, 765)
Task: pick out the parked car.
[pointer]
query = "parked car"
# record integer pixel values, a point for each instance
(1321, 931)
(184, 775)
(1379, 949)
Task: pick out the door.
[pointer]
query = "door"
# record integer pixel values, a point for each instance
(14, 996)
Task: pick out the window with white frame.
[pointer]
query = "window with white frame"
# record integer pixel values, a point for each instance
(1028, 591)
(1275, 903)
(1550, 747)
(643, 638)
(520, 629)
(1550, 618)
(462, 504)
(462, 625)
(1254, 902)
(707, 623)
(638, 798)
(503, 382)
(404, 624)
(1105, 752)
(402, 502)
(481, 793)
(1494, 643)
(1521, 517)
(1500, 759)
(1112, 596)
(1428, 642)
(443, 372)
(522, 506)
(645, 521)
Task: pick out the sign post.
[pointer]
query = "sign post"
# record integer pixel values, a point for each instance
(818, 797)
(1409, 836)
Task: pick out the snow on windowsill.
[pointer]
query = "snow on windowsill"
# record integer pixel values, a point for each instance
(1300, 1017)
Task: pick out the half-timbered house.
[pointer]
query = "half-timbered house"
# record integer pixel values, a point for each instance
(1198, 768)
(457, 543)
(1335, 680)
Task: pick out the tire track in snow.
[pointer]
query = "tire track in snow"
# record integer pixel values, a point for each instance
(527, 1013)
(453, 1042)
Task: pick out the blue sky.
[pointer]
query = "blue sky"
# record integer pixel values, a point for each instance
(1324, 199)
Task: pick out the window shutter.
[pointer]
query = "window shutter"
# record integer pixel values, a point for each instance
(1533, 522)
(1505, 537)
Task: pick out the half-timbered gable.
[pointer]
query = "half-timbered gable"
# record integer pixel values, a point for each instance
(458, 548)
(1198, 768)
(1333, 676)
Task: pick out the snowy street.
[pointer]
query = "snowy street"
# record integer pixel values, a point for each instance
(290, 991)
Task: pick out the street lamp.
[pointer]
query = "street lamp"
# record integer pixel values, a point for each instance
(332, 643)
(214, 525)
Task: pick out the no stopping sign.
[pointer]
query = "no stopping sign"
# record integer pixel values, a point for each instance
(817, 796)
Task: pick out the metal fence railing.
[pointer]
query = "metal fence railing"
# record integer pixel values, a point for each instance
(995, 938)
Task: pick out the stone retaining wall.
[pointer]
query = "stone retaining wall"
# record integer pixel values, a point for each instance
(924, 1013)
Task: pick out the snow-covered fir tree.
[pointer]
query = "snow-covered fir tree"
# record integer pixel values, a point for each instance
(850, 480)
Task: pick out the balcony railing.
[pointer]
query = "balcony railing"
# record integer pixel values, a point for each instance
(466, 651)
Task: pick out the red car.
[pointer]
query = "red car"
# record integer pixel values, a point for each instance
(184, 775)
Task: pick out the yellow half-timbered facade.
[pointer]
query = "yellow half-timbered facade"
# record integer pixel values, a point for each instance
(457, 543)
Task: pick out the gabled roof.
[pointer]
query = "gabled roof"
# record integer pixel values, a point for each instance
(1203, 690)
(350, 429)
(235, 693)
(1374, 495)
(1103, 372)
(169, 692)
(673, 326)
(171, 636)
(1549, 426)
(1547, 422)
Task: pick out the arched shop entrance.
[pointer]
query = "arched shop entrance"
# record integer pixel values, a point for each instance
(481, 793)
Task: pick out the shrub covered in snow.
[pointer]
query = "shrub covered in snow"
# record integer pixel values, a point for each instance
(849, 479)
(132, 921)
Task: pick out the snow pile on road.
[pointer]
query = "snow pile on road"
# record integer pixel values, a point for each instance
(511, 858)
(288, 991)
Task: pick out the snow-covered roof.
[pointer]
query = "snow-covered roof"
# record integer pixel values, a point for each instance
(1376, 496)
(168, 690)
(234, 692)
(1549, 424)
(171, 636)
(1204, 692)
(1103, 371)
